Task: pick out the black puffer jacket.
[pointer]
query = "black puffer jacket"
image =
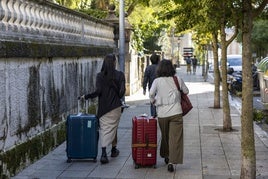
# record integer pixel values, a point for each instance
(109, 92)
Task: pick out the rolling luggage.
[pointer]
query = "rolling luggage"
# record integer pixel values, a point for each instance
(82, 136)
(144, 141)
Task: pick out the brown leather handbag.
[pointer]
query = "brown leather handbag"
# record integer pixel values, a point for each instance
(186, 104)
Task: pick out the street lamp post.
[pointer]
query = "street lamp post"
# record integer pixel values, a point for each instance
(121, 36)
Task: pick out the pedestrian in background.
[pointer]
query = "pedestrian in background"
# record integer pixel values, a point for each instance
(188, 63)
(194, 63)
(166, 96)
(149, 76)
(110, 88)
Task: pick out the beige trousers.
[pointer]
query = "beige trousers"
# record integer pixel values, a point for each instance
(172, 138)
(108, 127)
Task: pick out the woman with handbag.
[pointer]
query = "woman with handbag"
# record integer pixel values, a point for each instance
(167, 98)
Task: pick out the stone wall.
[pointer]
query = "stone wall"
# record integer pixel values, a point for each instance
(137, 66)
(49, 55)
(38, 94)
(47, 23)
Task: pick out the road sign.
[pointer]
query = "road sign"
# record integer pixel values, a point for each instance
(188, 51)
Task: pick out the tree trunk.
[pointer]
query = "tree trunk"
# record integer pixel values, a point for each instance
(248, 154)
(217, 101)
(227, 122)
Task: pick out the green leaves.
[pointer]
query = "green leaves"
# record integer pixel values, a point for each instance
(148, 29)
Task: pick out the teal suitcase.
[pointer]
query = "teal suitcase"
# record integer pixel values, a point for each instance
(82, 137)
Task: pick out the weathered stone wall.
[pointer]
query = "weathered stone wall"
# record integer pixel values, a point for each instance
(139, 64)
(39, 93)
(49, 55)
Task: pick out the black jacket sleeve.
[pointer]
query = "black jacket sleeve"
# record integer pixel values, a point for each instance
(122, 84)
(97, 92)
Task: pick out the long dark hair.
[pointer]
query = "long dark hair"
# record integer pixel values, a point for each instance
(165, 69)
(108, 66)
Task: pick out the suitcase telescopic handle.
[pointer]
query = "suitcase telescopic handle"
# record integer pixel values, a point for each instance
(84, 108)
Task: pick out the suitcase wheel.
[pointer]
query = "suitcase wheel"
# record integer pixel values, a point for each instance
(69, 160)
(137, 166)
(94, 160)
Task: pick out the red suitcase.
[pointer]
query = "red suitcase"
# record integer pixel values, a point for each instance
(144, 141)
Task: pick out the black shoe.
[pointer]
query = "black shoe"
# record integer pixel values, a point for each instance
(170, 167)
(115, 152)
(166, 160)
(104, 159)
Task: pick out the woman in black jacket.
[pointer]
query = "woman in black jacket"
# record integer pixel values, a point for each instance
(110, 88)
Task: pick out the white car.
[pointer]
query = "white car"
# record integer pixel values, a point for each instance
(234, 62)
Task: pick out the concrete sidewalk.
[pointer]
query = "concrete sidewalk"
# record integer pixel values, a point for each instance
(208, 152)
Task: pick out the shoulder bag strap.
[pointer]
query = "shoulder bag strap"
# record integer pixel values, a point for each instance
(177, 82)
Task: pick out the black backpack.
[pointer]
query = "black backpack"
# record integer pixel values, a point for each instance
(188, 61)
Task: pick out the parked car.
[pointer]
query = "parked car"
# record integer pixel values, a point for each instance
(234, 62)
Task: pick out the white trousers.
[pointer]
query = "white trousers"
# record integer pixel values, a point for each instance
(108, 126)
